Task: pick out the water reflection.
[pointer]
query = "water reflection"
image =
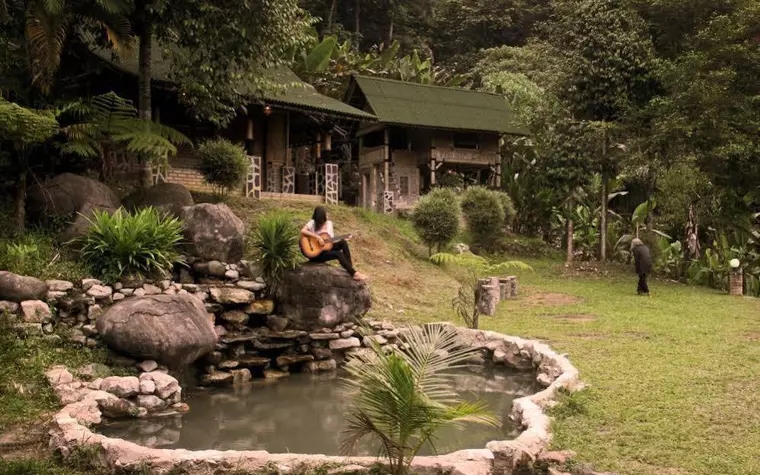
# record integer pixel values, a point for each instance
(305, 414)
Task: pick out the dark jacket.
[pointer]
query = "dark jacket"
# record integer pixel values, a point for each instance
(643, 259)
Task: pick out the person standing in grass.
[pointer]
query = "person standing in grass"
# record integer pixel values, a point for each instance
(643, 260)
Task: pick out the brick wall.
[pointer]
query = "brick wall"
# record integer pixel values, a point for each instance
(184, 169)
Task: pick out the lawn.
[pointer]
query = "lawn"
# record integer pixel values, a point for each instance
(674, 379)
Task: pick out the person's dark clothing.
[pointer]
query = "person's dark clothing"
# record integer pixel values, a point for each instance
(643, 260)
(643, 287)
(339, 252)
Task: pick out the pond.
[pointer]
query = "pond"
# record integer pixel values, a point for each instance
(305, 414)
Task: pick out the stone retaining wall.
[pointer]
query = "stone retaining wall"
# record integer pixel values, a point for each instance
(72, 426)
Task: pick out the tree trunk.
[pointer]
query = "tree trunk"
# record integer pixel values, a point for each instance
(357, 16)
(20, 217)
(570, 240)
(603, 222)
(145, 105)
(390, 30)
(331, 14)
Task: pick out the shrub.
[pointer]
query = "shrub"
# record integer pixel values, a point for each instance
(436, 218)
(506, 203)
(140, 244)
(275, 247)
(223, 164)
(484, 214)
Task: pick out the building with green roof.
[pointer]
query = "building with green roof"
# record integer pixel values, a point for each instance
(424, 134)
(293, 130)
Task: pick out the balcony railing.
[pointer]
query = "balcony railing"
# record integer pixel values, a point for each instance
(459, 155)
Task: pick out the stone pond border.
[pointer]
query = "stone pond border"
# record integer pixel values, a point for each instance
(70, 427)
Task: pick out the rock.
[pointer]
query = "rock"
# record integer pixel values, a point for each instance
(171, 329)
(556, 458)
(229, 364)
(287, 360)
(320, 366)
(251, 361)
(94, 311)
(231, 296)
(18, 288)
(368, 340)
(100, 292)
(118, 296)
(220, 331)
(147, 366)
(35, 311)
(260, 307)
(324, 336)
(217, 378)
(87, 284)
(235, 318)
(59, 285)
(116, 408)
(58, 375)
(89, 330)
(211, 268)
(345, 343)
(147, 387)
(250, 285)
(53, 295)
(167, 197)
(275, 374)
(150, 402)
(8, 307)
(315, 296)
(240, 376)
(94, 371)
(276, 323)
(232, 275)
(347, 334)
(151, 289)
(69, 195)
(30, 329)
(213, 232)
(322, 353)
(165, 385)
(47, 329)
(121, 386)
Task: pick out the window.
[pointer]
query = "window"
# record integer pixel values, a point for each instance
(403, 185)
(463, 140)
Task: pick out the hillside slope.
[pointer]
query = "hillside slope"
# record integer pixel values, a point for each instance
(404, 284)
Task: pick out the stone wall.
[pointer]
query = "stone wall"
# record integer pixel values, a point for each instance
(72, 426)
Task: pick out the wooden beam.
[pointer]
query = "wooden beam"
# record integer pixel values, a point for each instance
(386, 161)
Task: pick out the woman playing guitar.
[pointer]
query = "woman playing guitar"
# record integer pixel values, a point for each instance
(319, 231)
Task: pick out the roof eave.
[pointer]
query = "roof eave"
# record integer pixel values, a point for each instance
(433, 127)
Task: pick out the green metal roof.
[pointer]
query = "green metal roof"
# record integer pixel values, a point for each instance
(421, 105)
(299, 96)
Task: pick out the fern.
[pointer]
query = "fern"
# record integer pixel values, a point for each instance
(109, 118)
(476, 263)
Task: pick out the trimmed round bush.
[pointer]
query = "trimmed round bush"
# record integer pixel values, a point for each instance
(506, 203)
(484, 214)
(436, 218)
(223, 164)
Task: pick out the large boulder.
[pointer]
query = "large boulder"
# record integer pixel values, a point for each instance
(18, 288)
(172, 329)
(213, 232)
(169, 197)
(70, 196)
(315, 296)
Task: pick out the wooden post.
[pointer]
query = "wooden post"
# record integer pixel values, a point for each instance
(386, 160)
(433, 164)
(736, 282)
(288, 154)
(327, 142)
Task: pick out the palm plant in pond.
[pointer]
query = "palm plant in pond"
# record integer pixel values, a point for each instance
(401, 399)
(274, 245)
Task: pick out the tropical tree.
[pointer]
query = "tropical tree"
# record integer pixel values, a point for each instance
(103, 123)
(21, 130)
(401, 399)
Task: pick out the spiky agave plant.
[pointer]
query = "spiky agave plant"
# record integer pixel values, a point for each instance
(274, 247)
(401, 399)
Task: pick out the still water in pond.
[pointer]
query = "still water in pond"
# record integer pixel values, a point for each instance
(305, 414)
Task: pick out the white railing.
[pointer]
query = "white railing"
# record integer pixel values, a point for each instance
(459, 155)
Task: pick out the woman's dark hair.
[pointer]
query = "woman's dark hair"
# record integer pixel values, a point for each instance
(319, 217)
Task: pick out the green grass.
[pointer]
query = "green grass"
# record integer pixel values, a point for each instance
(674, 379)
(25, 396)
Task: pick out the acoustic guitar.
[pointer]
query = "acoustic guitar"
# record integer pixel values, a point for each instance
(311, 248)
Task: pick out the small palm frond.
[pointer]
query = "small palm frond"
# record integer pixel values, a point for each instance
(476, 263)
